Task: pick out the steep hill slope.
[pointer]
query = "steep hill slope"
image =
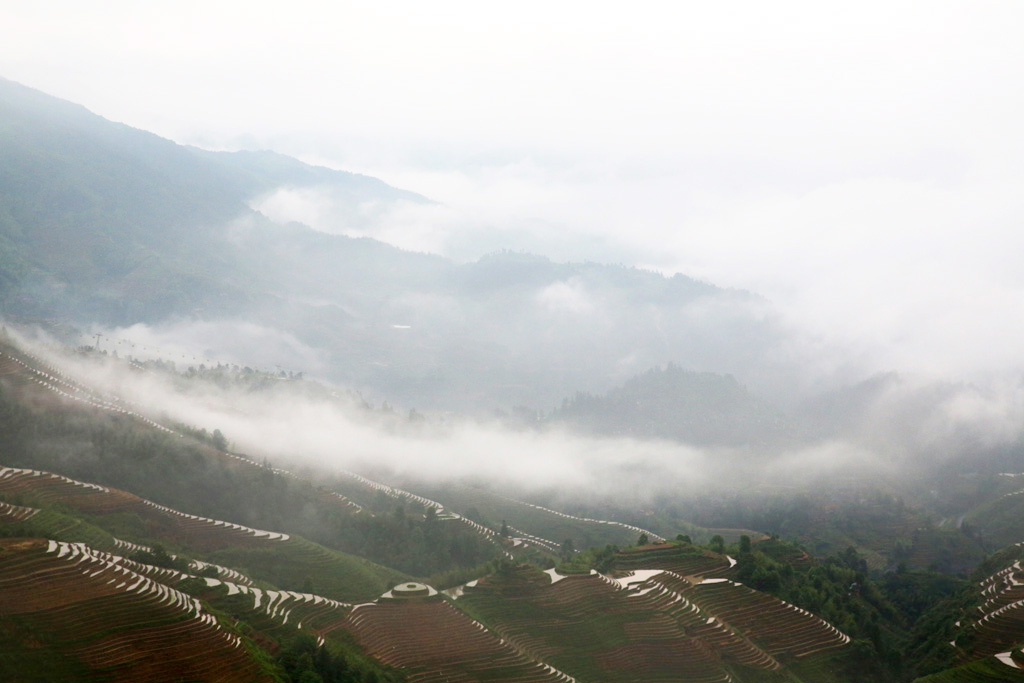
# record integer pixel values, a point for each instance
(51, 423)
(92, 211)
(652, 625)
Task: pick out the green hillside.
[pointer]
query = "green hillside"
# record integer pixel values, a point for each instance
(44, 432)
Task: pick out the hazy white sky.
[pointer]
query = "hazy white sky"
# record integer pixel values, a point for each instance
(860, 164)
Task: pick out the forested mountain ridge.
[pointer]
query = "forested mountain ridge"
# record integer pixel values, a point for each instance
(91, 211)
(671, 403)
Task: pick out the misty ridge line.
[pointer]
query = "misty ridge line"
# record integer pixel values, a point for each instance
(333, 434)
(784, 363)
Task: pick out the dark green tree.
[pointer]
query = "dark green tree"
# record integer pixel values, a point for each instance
(744, 543)
(718, 543)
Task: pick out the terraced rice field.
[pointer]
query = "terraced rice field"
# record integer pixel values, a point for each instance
(277, 557)
(204, 533)
(1000, 619)
(271, 611)
(653, 625)
(16, 513)
(46, 487)
(681, 559)
(31, 376)
(112, 621)
(430, 640)
(776, 626)
(223, 573)
(197, 532)
(594, 630)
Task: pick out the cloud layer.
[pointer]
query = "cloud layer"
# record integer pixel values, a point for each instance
(859, 166)
(897, 429)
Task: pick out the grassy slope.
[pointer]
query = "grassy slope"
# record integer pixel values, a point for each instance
(298, 562)
(51, 523)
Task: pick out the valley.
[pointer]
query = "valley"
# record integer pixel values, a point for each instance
(735, 605)
(242, 442)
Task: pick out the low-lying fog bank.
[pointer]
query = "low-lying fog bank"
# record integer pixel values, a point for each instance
(898, 430)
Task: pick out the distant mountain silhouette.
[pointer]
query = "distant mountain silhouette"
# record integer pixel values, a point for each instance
(104, 224)
(694, 407)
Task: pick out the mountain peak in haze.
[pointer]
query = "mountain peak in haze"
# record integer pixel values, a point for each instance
(106, 225)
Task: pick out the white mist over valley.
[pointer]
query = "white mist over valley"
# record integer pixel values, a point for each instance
(369, 343)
